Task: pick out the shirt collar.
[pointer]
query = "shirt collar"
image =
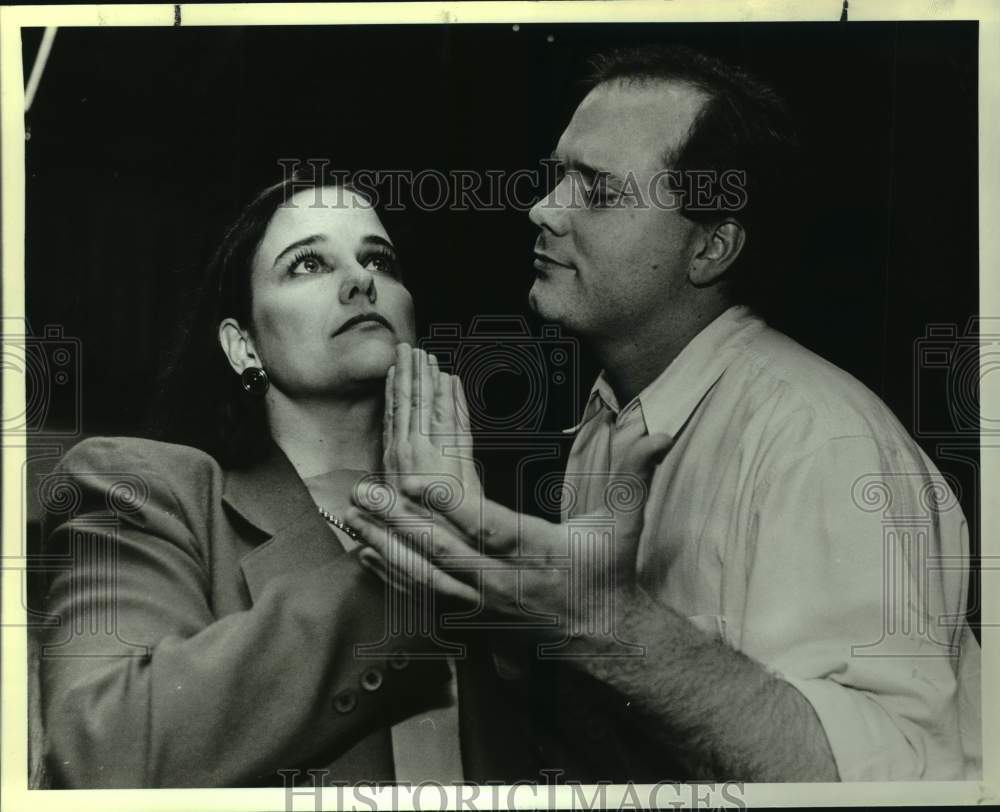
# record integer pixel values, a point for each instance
(669, 400)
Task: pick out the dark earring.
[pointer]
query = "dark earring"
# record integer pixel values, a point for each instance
(254, 381)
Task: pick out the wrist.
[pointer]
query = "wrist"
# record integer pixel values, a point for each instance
(600, 628)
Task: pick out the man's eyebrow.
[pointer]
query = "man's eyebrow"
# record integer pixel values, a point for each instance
(583, 168)
(312, 239)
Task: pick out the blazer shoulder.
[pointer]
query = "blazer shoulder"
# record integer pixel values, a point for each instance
(180, 467)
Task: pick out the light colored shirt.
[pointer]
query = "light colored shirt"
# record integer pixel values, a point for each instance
(795, 519)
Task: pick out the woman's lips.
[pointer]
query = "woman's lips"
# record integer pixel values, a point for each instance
(373, 319)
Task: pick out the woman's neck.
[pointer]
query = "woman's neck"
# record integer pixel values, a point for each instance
(321, 436)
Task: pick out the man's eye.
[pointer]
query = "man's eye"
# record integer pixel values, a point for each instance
(602, 197)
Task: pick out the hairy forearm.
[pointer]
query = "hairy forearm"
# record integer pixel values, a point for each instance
(720, 712)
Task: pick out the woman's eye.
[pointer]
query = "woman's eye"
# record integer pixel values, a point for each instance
(383, 264)
(306, 265)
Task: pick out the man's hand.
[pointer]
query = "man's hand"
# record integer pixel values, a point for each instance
(515, 566)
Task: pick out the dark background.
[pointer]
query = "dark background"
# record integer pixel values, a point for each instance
(143, 143)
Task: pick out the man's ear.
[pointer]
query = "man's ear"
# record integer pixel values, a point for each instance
(723, 242)
(237, 345)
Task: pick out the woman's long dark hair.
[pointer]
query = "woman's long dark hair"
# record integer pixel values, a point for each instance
(199, 400)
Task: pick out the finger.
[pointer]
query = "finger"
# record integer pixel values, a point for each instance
(487, 526)
(389, 462)
(423, 395)
(409, 566)
(435, 369)
(374, 563)
(463, 434)
(402, 380)
(371, 559)
(442, 415)
(448, 406)
(432, 534)
(463, 419)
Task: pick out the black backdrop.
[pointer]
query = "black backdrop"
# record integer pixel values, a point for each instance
(142, 143)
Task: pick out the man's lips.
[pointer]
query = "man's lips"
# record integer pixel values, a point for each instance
(544, 262)
(362, 318)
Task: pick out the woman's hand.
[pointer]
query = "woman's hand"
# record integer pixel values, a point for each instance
(428, 465)
(427, 447)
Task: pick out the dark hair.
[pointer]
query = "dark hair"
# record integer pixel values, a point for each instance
(199, 400)
(744, 126)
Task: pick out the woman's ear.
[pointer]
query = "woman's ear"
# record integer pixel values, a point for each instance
(723, 243)
(237, 345)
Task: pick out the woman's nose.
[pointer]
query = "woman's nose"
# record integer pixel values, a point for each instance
(358, 281)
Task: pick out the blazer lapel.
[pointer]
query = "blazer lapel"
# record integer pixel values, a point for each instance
(271, 496)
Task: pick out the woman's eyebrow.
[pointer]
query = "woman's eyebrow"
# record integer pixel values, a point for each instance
(312, 239)
(375, 239)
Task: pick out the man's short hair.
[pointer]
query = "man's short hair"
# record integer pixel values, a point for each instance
(743, 126)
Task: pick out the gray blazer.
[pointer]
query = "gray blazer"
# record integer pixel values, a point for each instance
(207, 621)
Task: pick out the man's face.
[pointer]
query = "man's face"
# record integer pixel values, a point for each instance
(616, 263)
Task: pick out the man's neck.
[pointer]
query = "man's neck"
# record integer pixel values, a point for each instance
(632, 361)
(319, 436)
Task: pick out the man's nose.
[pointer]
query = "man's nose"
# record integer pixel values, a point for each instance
(358, 281)
(552, 211)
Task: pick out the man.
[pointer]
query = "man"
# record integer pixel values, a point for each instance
(793, 622)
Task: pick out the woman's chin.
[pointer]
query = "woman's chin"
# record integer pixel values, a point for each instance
(371, 359)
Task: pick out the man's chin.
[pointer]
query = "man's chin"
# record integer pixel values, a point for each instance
(542, 303)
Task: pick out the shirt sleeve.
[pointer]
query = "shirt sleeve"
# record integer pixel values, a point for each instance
(853, 597)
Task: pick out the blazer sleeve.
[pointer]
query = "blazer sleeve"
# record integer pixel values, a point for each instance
(143, 686)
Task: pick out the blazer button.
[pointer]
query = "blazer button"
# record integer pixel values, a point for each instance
(371, 680)
(398, 662)
(345, 701)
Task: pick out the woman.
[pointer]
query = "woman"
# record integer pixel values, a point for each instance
(216, 626)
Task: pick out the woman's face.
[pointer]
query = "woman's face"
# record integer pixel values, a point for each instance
(329, 304)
